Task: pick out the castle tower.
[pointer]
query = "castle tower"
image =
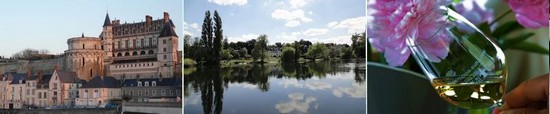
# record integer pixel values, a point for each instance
(107, 45)
(168, 48)
(85, 57)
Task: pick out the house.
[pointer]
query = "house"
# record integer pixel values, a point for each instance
(42, 90)
(152, 89)
(14, 86)
(99, 91)
(63, 88)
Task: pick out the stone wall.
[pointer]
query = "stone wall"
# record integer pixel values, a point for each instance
(60, 111)
(22, 66)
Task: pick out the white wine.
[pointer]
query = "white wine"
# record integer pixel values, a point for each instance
(484, 93)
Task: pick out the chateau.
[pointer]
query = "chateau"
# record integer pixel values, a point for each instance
(92, 70)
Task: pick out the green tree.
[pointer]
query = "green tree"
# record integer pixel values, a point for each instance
(260, 48)
(359, 44)
(225, 43)
(226, 54)
(218, 36)
(206, 40)
(346, 53)
(317, 50)
(288, 54)
(186, 46)
(298, 52)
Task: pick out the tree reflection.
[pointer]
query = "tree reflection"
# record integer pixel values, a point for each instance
(210, 81)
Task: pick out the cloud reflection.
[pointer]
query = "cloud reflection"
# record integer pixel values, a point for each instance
(356, 91)
(297, 102)
(308, 85)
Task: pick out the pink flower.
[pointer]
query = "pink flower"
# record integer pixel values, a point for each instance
(391, 22)
(474, 14)
(531, 13)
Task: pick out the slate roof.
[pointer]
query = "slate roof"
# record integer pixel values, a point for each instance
(68, 77)
(16, 77)
(105, 82)
(44, 82)
(168, 30)
(107, 21)
(164, 82)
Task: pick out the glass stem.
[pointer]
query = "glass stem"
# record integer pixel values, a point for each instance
(478, 111)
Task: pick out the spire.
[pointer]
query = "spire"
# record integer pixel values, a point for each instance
(107, 21)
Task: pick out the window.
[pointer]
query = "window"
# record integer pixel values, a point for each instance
(139, 92)
(119, 44)
(154, 92)
(39, 95)
(164, 41)
(134, 43)
(142, 42)
(45, 95)
(139, 84)
(154, 83)
(146, 84)
(163, 49)
(54, 93)
(127, 44)
(162, 93)
(131, 92)
(146, 92)
(164, 56)
(150, 41)
(96, 93)
(55, 84)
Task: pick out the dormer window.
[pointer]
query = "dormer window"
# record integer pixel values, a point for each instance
(139, 84)
(146, 84)
(154, 83)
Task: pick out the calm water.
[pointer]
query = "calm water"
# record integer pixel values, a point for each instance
(320, 88)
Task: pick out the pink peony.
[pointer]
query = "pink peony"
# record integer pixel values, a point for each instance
(475, 14)
(391, 22)
(531, 13)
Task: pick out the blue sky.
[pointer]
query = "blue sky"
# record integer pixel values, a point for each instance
(47, 24)
(281, 20)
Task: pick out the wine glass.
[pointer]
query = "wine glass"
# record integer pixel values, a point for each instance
(469, 70)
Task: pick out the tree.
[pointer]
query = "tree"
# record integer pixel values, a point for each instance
(206, 39)
(358, 45)
(186, 46)
(346, 53)
(226, 54)
(298, 52)
(334, 52)
(260, 48)
(225, 43)
(218, 36)
(317, 50)
(288, 54)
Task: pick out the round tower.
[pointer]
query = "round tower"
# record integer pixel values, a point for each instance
(85, 57)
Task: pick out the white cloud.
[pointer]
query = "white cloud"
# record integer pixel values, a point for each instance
(292, 23)
(310, 12)
(229, 2)
(280, 3)
(345, 39)
(318, 85)
(297, 3)
(243, 38)
(357, 91)
(187, 32)
(332, 24)
(293, 18)
(354, 25)
(315, 32)
(289, 37)
(196, 27)
(296, 102)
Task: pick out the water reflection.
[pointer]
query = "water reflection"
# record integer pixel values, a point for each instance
(210, 83)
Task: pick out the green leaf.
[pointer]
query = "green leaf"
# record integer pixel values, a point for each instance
(485, 28)
(530, 47)
(509, 42)
(505, 29)
(457, 1)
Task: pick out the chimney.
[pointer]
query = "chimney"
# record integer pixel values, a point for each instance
(56, 67)
(166, 17)
(148, 20)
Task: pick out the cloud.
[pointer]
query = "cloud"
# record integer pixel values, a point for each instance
(332, 24)
(187, 32)
(354, 25)
(318, 85)
(297, 3)
(315, 32)
(357, 91)
(292, 23)
(243, 38)
(310, 12)
(288, 37)
(296, 102)
(243, 85)
(196, 27)
(345, 39)
(280, 3)
(293, 17)
(229, 2)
